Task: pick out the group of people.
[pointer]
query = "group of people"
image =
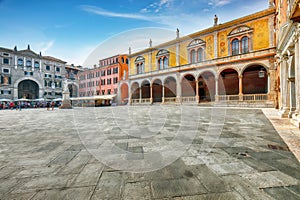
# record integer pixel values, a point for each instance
(18, 105)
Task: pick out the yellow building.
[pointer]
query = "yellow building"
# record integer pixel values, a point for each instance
(231, 62)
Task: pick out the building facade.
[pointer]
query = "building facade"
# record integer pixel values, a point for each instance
(72, 72)
(26, 74)
(231, 62)
(104, 79)
(287, 58)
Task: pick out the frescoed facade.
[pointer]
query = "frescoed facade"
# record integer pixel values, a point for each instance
(231, 62)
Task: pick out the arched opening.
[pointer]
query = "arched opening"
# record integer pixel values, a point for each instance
(145, 89)
(124, 93)
(255, 80)
(73, 90)
(170, 87)
(135, 92)
(28, 89)
(206, 87)
(235, 47)
(157, 91)
(229, 82)
(188, 86)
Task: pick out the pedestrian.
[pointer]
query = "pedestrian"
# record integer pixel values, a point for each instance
(52, 105)
(48, 105)
(11, 105)
(19, 105)
(4, 105)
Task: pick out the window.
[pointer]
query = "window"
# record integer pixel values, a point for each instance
(103, 92)
(36, 64)
(5, 71)
(108, 81)
(162, 59)
(115, 70)
(28, 73)
(103, 73)
(57, 69)
(235, 47)
(196, 51)
(103, 82)
(123, 61)
(127, 61)
(5, 92)
(20, 62)
(240, 40)
(139, 63)
(245, 44)
(115, 80)
(193, 56)
(109, 71)
(48, 67)
(5, 61)
(28, 63)
(108, 91)
(200, 55)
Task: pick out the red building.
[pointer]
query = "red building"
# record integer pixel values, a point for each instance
(104, 79)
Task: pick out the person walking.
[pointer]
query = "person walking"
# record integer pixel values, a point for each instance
(52, 105)
(48, 105)
(19, 105)
(11, 105)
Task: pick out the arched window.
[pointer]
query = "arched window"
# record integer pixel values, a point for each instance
(36, 64)
(193, 56)
(166, 62)
(127, 61)
(28, 63)
(200, 55)
(235, 47)
(139, 63)
(123, 60)
(245, 44)
(160, 63)
(20, 62)
(163, 59)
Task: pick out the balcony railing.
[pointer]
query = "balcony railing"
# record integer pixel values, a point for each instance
(188, 99)
(170, 100)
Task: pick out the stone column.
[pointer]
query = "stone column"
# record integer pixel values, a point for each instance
(129, 93)
(163, 94)
(284, 110)
(217, 89)
(177, 53)
(197, 91)
(241, 88)
(291, 82)
(178, 89)
(140, 94)
(151, 94)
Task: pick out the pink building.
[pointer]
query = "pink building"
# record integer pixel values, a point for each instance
(103, 80)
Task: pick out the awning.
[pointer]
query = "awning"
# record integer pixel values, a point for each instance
(100, 97)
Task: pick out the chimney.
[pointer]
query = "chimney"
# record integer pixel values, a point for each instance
(15, 49)
(28, 47)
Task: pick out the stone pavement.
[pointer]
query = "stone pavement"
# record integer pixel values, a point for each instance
(243, 157)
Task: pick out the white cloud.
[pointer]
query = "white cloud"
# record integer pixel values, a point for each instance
(219, 3)
(45, 46)
(100, 11)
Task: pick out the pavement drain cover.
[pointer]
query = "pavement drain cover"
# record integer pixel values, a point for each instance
(284, 148)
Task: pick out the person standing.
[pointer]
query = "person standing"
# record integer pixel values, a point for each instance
(48, 105)
(52, 105)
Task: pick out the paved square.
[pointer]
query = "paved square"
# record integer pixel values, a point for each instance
(228, 154)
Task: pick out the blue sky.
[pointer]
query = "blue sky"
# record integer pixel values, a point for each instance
(72, 29)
